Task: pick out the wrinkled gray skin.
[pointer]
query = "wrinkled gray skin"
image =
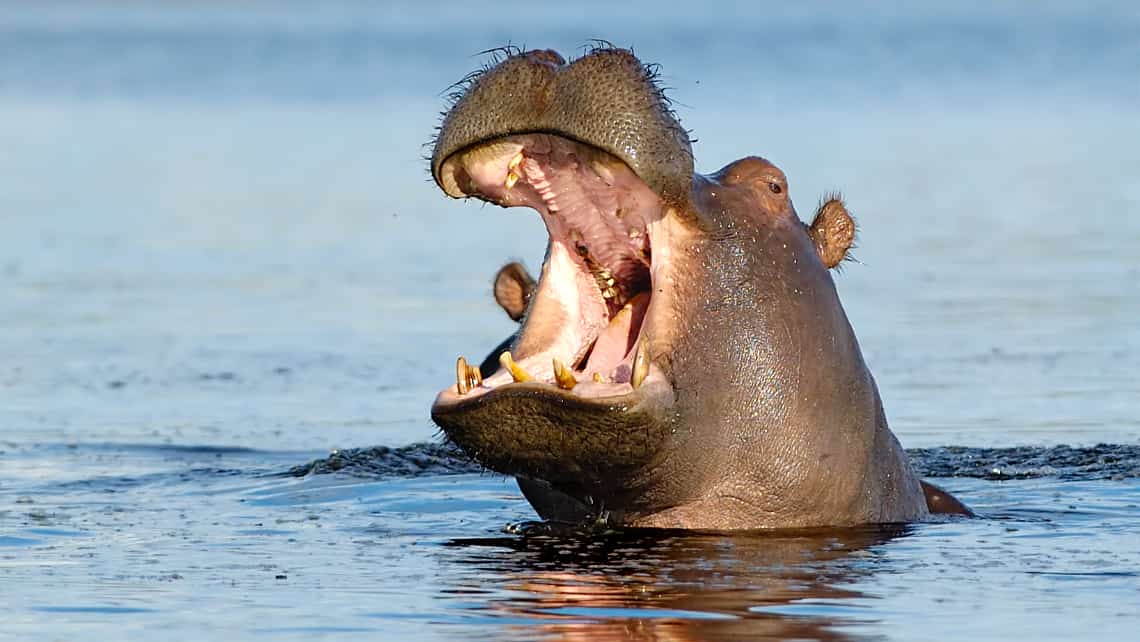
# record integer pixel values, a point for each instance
(769, 419)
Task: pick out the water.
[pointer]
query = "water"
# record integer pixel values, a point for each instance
(221, 258)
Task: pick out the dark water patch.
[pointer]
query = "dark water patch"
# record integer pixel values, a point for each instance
(575, 547)
(10, 540)
(118, 483)
(56, 532)
(186, 451)
(174, 452)
(414, 460)
(1068, 463)
(1085, 575)
(101, 610)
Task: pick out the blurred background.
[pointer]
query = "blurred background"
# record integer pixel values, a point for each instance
(217, 225)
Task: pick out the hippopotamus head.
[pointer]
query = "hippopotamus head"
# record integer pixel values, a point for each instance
(684, 359)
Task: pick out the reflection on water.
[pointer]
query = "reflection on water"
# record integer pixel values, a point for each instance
(678, 586)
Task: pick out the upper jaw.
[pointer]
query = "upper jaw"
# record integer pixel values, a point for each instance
(537, 91)
(589, 330)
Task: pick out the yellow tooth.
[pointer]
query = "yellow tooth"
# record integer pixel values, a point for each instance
(640, 364)
(512, 170)
(517, 373)
(474, 377)
(462, 385)
(598, 378)
(563, 376)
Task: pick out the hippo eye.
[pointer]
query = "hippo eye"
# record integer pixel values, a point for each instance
(775, 187)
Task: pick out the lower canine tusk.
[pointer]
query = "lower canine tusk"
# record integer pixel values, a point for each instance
(563, 376)
(517, 373)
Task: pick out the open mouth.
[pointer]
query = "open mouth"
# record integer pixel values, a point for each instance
(587, 331)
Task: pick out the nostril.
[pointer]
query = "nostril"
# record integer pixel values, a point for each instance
(775, 187)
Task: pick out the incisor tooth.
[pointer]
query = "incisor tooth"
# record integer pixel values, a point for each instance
(640, 364)
(563, 376)
(512, 178)
(517, 373)
(461, 383)
(514, 164)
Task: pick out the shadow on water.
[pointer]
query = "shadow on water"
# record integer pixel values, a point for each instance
(678, 586)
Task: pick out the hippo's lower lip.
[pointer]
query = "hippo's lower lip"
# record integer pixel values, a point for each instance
(588, 332)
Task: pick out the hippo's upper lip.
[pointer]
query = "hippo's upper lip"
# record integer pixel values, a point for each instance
(587, 334)
(607, 99)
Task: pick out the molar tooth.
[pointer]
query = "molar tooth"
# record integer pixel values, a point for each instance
(461, 383)
(563, 376)
(640, 364)
(517, 373)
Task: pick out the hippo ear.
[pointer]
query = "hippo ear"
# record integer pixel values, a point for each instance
(513, 287)
(833, 231)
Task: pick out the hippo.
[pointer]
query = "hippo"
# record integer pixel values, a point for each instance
(683, 359)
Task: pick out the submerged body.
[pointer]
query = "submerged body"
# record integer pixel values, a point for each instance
(684, 360)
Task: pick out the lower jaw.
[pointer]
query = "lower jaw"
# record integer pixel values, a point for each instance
(581, 446)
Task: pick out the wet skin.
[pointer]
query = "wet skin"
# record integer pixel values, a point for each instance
(684, 360)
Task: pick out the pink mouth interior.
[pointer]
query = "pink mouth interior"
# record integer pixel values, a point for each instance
(595, 291)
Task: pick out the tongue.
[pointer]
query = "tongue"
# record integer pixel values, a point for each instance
(619, 337)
